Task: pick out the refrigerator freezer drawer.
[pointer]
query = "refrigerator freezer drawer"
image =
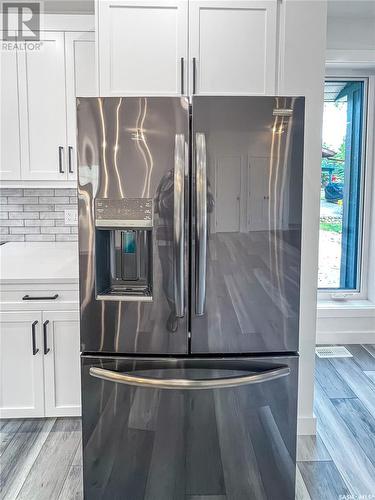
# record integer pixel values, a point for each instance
(184, 428)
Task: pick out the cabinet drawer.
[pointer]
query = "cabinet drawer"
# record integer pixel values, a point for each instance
(33, 296)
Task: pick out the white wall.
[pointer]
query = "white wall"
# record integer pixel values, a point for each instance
(351, 53)
(354, 33)
(351, 33)
(302, 67)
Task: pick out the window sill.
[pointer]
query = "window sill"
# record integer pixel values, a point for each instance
(345, 308)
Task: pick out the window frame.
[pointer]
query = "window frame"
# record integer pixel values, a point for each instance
(366, 172)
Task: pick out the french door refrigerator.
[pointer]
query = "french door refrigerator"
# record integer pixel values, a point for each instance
(189, 241)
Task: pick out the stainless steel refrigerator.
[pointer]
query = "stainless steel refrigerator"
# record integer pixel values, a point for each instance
(189, 248)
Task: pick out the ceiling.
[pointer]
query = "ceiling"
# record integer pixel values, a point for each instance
(68, 6)
(352, 8)
(336, 8)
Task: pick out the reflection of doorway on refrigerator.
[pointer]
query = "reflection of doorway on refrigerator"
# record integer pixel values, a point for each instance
(260, 210)
(228, 194)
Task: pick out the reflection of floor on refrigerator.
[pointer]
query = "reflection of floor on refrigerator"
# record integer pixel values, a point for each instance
(243, 262)
(41, 458)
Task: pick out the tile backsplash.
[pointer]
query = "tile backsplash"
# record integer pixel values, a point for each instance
(36, 214)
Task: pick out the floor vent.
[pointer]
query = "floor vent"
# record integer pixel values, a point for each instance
(333, 351)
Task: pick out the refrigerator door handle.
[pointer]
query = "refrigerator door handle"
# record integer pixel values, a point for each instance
(201, 223)
(190, 384)
(178, 230)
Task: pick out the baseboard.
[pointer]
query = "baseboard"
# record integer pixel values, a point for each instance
(342, 337)
(346, 324)
(306, 426)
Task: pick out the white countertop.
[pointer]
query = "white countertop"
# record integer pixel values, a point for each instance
(31, 262)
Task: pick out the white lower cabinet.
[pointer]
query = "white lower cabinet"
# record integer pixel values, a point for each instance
(62, 388)
(40, 365)
(21, 362)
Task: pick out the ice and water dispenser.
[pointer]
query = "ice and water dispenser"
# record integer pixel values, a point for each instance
(123, 255)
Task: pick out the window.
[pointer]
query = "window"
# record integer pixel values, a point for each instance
(342, 183)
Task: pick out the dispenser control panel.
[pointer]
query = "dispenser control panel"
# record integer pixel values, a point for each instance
(128, 212)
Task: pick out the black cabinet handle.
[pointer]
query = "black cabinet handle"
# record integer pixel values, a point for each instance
(194, 73)
(70, 159)
(33, 336)
(61, 166)
(53, 297)
(182, 76)
(46, 348)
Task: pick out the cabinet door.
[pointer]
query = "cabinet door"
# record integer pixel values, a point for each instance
(10, 167)
(62, 380)
(21, 365)
(142, 47)
(233, 47)
(81, 81)
(43, 110)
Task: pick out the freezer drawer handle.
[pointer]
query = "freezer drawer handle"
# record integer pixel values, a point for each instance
(218, 383)
(201, 223)
(178, 231)
(53, 297)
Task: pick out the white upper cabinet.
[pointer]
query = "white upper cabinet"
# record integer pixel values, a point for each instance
(81, 77)
(81, 81)
(43, 110)
(232, 46)
(10, 167)
(38, 106)
(142, 47)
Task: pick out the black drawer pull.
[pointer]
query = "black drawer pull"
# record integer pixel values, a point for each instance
(46, 348)
(33, 333)
(27, 297)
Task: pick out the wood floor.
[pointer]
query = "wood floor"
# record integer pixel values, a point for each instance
(41, 458)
